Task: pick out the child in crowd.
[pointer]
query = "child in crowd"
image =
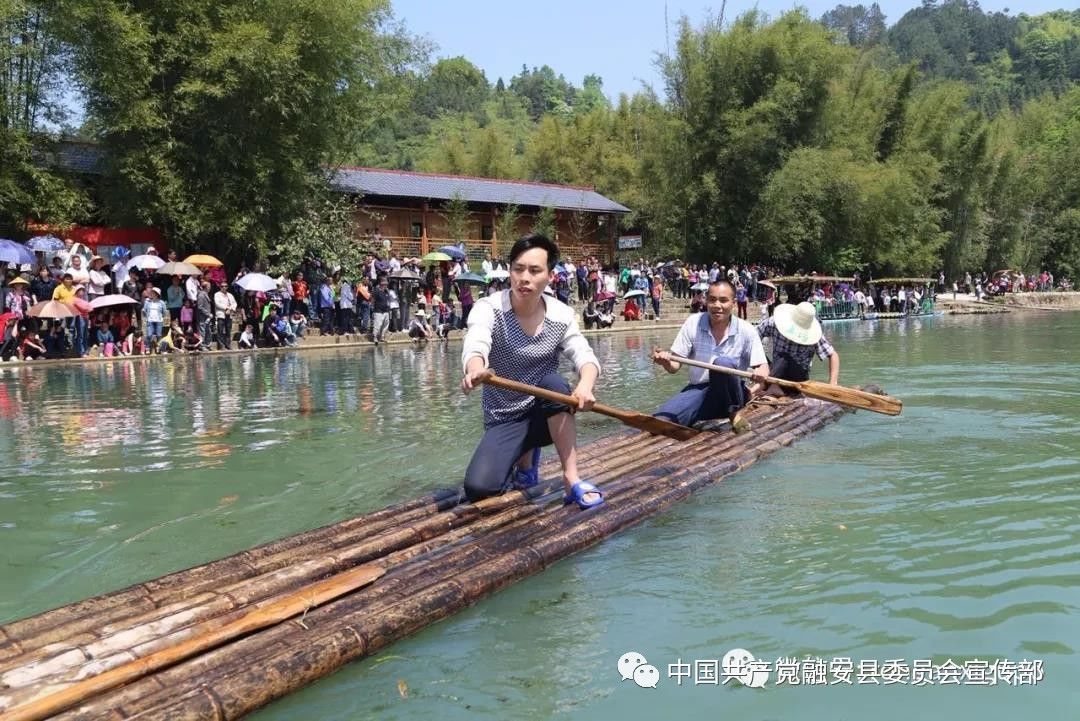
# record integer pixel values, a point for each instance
(104, 339)
(31, 347)
(187, 315)
(247, 337)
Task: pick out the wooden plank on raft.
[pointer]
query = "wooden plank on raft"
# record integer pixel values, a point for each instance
(439, 556)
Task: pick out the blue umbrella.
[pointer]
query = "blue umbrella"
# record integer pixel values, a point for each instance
(45, 243)
(15, 253)
(453, 251)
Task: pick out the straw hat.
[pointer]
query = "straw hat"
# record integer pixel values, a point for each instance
(421, 313)
(798, 323)
(18, 280)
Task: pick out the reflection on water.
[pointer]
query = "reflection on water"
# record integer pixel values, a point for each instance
(947, 532)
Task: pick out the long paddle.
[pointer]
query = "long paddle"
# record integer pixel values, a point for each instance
(265, 613)
(634, 419)
(815, 389)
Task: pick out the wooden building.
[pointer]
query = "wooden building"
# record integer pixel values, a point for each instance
(408, 210)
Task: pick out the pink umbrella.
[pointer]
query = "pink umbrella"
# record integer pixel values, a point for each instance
(113, 299)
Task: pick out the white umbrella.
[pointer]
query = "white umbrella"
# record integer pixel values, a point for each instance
(142, 262)
(699, 286)
(499, 274)
(257, 282)
(177, 267)
(634, 293)
(112, 299)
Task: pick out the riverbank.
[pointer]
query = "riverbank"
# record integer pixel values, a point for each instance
(963, 304)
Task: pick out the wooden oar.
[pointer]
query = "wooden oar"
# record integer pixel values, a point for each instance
(264, 614)
(652, 424)
(843, 395)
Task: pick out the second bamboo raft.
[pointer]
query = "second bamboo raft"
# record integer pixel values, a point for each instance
(435, 555)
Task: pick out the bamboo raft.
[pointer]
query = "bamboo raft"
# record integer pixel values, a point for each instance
(422, 560)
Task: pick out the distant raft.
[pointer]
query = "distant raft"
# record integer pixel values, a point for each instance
(424, 559)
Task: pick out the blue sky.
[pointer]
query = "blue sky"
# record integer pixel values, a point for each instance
(617, 40)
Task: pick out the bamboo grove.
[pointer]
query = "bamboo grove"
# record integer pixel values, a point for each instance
(948, 141)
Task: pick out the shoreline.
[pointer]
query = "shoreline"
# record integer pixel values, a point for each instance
(960, 306)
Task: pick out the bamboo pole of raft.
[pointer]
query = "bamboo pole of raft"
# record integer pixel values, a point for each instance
(184, 614)
(784, 430)
(117, 606)
(494, 499)
(261, 616)
(156, 591)
(233, 592)
(287, 668)
(159, 641)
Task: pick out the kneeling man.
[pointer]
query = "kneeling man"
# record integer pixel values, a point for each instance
(718, 338)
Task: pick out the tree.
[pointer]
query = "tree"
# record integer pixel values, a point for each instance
(31, 75)
(857, 24)
(325, 230)
(544, 222)
(458, 217)
(216, 117)
(542, 90)
(454, 85)
(506, 227)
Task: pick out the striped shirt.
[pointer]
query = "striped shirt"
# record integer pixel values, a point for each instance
(496, 336)
(740, 343)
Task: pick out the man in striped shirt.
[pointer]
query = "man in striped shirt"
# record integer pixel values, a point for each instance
(519, 334)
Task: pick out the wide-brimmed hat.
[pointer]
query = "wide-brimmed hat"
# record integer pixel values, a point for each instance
(155, 289)
(421, 314)
(19, 280)
(798, 323)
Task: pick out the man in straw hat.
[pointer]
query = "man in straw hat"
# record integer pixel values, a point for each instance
(796, 336)
(716, 337)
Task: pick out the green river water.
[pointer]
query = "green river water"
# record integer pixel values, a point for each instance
(950, 532)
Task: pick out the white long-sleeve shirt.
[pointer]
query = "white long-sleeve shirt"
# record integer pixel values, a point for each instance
(496, 336)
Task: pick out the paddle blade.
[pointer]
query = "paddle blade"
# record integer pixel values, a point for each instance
(660, 427)
(852, 397)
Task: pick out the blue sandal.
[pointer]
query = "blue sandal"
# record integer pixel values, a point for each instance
(577, 494)
(529, 477)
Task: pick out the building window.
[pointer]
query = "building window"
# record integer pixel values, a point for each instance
(485, 232)
(417, 230)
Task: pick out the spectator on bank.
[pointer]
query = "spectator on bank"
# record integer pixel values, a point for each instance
(346, 307)
(298, 323)
(31, 347)
(418, 326)
(104, 339)
(224, 307)
(187, 314)
(204, 308)
(41, 287)
(247, 337)
(271, 334)
(174, 298)
(154, 313)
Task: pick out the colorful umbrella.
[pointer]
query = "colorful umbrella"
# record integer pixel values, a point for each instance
(142, 262)
(113, 299)
(204, 261)
(435, 257)
(52, 309)
(258, 282)
(45, 244)
(453, 251)
(178, 268)
(15, 253)
(471, 279)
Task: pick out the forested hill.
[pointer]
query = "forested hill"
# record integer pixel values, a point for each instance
(949, 140)
(901, 148)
